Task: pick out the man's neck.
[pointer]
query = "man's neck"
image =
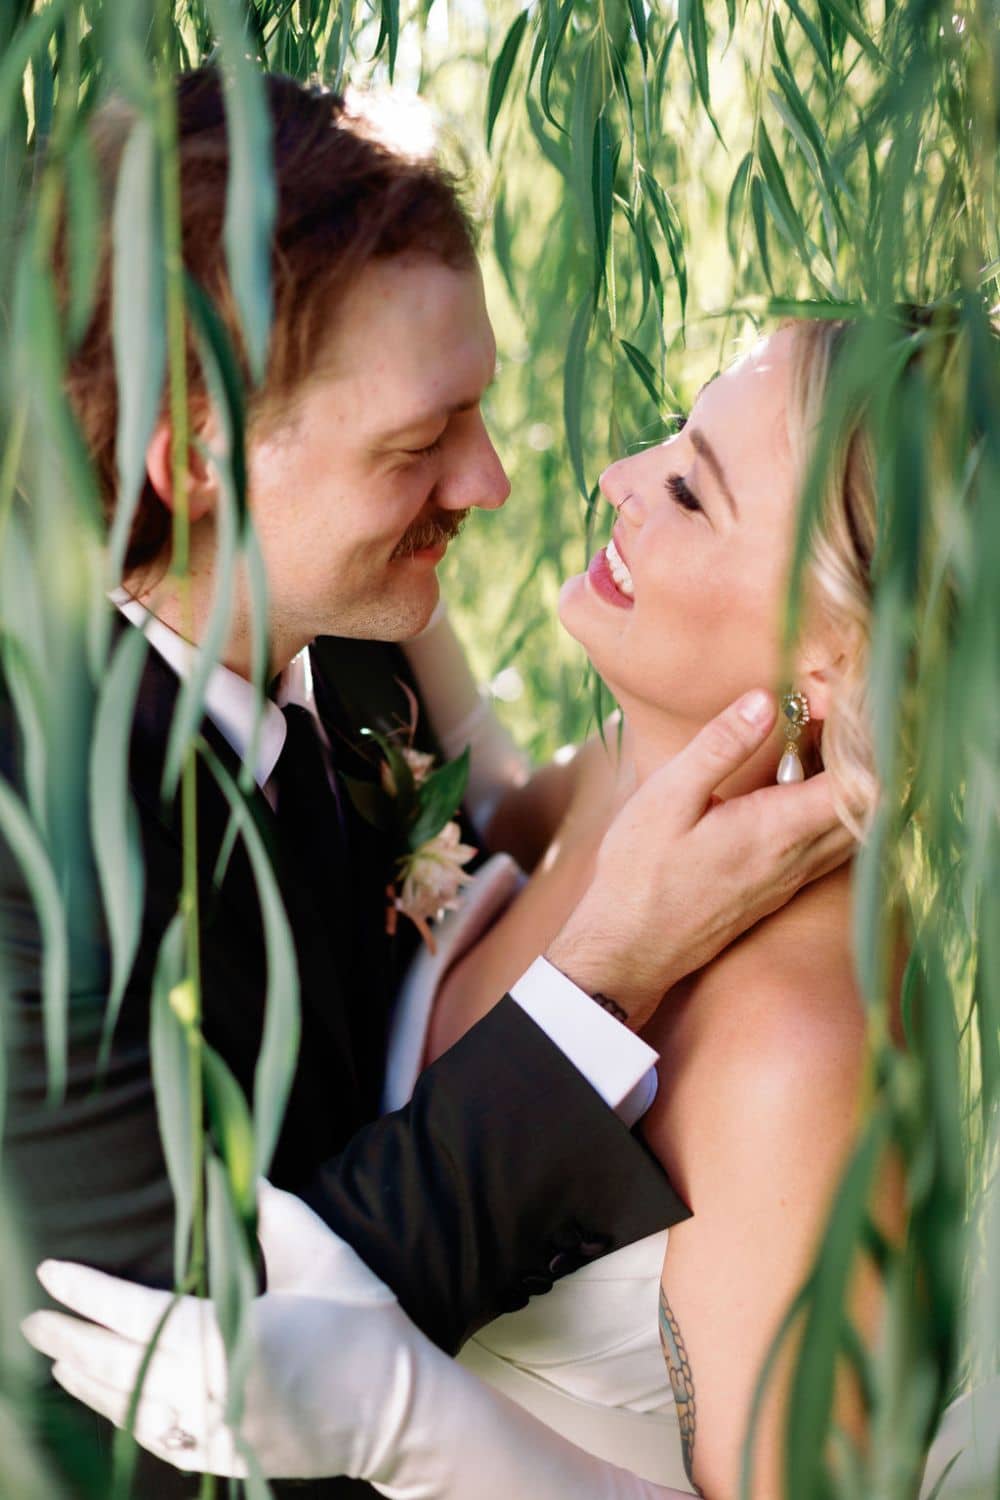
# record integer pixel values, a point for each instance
(185, 605)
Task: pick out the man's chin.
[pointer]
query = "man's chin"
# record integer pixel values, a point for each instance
(397, 618)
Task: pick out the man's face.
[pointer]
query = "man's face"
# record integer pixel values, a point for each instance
(355, 496)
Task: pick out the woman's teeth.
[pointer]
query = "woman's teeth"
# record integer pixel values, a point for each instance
(619, 572)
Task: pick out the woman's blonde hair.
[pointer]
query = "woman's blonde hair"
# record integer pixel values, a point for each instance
(837, 581)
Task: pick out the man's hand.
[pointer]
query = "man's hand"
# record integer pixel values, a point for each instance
(680, 876)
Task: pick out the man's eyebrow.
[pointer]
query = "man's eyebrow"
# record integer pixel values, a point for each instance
(701, 445)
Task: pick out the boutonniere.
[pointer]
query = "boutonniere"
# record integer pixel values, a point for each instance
(415, 801)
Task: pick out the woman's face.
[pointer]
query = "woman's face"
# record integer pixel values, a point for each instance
(704, 534)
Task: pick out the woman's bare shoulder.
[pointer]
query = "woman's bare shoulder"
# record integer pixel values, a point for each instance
(764, 1045)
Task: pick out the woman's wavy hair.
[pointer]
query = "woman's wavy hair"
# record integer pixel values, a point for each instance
(837, 580)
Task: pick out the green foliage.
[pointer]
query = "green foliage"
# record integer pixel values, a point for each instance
(659, 185)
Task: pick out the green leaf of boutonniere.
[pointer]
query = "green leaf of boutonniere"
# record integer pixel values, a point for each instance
(373, 803)
(438, 798)
(403, 789)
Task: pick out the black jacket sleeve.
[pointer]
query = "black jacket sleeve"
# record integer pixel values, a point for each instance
(503, 1173)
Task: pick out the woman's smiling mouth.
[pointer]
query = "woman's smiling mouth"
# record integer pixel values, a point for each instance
(609, 577)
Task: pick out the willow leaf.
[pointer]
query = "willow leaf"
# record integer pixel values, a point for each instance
(232, 1127)
(32, 38)
(503, 242)
(282, 1024)
(553, 45)
(583, 122)
(83, 215)
(138, 324)
(250, 193)
(736, 201)
(233, 1288)
(815, 37)
(602, 186)
(177, 1107)
(388, 32)
(694, 34)
(811, 1395)
(670, 224)
(573, 378)
(846, 17)
(645, 372)
(501, 71)
(30, 854)
(553, 149)
(222, 379)
(113, 821)
(637, 11)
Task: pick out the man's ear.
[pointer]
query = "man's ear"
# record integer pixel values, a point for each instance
(202, 479)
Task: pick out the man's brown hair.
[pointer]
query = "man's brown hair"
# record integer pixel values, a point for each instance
(343, 198)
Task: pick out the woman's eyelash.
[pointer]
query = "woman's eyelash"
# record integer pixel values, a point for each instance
(434, 447)
(680, 492)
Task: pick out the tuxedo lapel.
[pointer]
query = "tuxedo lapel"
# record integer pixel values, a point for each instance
(371, 855)
(230, 907)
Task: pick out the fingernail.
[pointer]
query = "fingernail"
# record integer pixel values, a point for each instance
(755, 708)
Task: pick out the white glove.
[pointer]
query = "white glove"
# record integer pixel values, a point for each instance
(341, 1382)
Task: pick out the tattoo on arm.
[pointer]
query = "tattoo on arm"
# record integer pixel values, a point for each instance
(611, 1006)
(681, 1383)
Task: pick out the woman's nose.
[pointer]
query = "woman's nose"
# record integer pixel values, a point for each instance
(617, 487)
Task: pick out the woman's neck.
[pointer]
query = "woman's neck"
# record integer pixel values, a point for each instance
(654, 736)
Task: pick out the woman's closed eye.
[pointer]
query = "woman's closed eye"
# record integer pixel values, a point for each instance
(679, 491)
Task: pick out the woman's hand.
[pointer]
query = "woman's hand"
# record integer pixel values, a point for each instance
(680, 876)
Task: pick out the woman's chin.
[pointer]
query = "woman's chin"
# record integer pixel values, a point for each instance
(572, 606)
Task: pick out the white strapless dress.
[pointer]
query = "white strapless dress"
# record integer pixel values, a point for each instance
(584, 1358)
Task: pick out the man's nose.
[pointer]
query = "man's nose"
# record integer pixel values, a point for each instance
(479, 479)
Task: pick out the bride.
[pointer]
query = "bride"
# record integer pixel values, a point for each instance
(680, 613)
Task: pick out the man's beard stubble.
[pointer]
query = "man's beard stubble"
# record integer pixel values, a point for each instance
(430, 532)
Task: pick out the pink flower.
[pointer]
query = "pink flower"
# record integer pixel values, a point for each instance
(432, 878)
(420, 763)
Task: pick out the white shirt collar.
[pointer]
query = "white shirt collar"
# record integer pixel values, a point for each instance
(230, 701)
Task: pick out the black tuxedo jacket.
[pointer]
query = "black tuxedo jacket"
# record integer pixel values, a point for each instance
(504, 1172)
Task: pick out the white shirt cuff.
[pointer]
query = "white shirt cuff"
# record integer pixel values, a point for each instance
(617, 1063)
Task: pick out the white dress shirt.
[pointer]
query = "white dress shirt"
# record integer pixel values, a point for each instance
(617, 1063)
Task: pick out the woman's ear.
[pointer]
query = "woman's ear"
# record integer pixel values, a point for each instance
(816, 674)
(202, 479)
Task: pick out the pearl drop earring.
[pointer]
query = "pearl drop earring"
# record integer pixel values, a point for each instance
(795, 709)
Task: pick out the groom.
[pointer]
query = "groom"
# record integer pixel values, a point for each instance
(514, 1163)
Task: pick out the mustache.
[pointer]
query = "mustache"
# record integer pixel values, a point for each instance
(431, 531)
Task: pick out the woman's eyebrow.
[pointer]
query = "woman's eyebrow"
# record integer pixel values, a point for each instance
(701, 445)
